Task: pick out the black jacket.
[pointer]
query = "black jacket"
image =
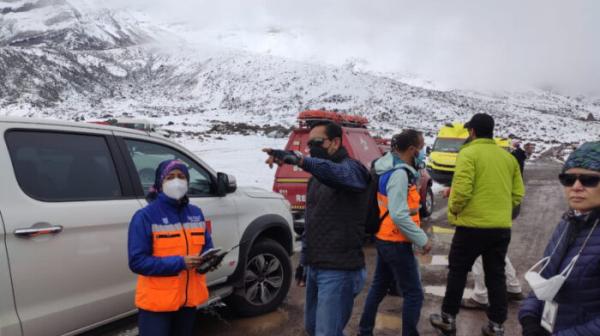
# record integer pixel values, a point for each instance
(335, 219)
(521, 156)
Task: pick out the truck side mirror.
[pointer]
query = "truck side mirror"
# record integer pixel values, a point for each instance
(428, 150)
(226, 184)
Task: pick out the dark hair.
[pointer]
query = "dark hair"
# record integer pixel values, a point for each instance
(332, 130)
(408, 137)
(482, 124)
(484, 134)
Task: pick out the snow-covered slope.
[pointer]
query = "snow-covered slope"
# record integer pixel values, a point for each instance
(51, 50)
(58, 23)
(65, 61)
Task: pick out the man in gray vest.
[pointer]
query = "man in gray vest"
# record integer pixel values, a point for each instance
(336, 207)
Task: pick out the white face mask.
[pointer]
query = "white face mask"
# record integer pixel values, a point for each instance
(175, 188)
(546, 289)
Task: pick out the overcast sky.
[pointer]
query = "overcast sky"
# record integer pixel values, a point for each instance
(500, 44)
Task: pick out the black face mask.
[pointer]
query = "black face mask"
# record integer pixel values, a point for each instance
(316, 148)
(319, 152)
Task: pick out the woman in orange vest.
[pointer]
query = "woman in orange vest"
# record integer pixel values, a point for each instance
(165, 241)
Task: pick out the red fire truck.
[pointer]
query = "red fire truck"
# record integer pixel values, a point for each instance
(291, 181)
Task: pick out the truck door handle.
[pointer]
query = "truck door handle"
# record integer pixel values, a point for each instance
(38, 230)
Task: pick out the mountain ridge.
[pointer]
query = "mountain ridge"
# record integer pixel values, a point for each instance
(87, 64)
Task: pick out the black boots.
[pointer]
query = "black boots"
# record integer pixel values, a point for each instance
(492, 329)
(446, 324)
(443, 322)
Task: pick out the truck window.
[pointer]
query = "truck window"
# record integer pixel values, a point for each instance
(448, 145)
(363, 146)
(147, 155)
(54, 167)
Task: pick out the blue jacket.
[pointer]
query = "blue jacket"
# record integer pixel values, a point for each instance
(579, 298)
(162, 211)
(347, 174)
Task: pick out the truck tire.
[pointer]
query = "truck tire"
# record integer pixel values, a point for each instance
(267, 280)
(427, 204)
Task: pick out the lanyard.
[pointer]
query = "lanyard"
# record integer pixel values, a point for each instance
(580, 250)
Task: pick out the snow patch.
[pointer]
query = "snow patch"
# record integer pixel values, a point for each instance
(240, 156)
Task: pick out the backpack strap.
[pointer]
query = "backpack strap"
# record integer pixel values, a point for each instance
(387, 213)
(410, 177)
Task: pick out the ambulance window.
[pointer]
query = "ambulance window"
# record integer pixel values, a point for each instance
(448, 145)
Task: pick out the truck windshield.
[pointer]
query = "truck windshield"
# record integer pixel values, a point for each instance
(448, 145)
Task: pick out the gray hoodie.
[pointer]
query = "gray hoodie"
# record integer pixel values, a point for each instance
(397, 193)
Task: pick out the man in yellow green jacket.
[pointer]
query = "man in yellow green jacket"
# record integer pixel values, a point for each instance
(487, 184)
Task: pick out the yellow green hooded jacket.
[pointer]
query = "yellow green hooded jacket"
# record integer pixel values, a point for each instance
(487, 184)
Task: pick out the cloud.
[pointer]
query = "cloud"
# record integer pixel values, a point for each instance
(501, 44)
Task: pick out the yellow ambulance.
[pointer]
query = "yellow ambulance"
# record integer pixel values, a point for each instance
(442, 156)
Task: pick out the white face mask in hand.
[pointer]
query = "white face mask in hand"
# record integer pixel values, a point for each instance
(546, 289)
(175, 188)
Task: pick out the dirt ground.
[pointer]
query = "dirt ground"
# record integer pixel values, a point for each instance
(541, 210)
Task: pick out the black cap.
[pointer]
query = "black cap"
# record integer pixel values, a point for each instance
(483, 124)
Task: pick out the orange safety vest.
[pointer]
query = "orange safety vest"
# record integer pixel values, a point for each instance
(388, 230)
(186, 289)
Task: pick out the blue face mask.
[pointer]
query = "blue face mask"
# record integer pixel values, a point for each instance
(420, 159)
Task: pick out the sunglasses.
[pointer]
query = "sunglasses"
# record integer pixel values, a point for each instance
(316, 142)
(586, 180)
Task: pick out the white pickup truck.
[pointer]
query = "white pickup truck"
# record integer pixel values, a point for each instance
(68, 193)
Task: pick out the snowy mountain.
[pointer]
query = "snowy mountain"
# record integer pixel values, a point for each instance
(60, 24)
(71, 61)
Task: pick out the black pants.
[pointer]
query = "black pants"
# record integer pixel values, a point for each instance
(467, 245)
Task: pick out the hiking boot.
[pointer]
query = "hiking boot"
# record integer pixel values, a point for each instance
(492, 329)
(515, 296)
(443, 322)
(471, 303)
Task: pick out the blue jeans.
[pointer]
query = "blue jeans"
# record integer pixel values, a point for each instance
(396, 266)
(177, 323)
(329, 299)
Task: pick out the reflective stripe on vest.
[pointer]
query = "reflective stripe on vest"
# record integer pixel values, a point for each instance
(388, 230)
(188, 288)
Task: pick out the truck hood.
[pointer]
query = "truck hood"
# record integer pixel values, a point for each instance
(256, 192)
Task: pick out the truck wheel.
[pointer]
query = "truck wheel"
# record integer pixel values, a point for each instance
(267, 280)
(427, 204)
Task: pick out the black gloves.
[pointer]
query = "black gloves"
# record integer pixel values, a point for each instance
(211, 263)
(286, 156)
(300, 275)
(532, 327)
